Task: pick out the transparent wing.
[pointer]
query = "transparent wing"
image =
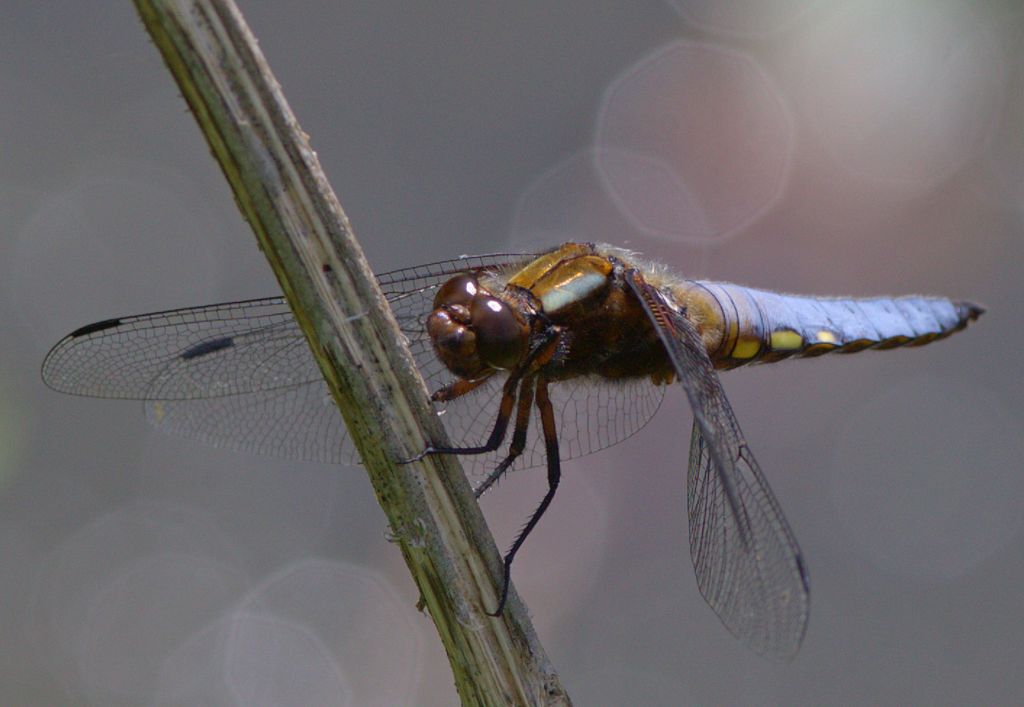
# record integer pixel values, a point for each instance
(240, 375)
(211, 351)
(748, 564)
(591, 414)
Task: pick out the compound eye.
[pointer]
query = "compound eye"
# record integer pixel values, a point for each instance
(454, 343)
(460, 290)
(501, 338)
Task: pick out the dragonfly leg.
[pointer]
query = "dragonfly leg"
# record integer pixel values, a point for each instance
(547, 420)
(508, 401)
(541, 353)
(518, 438)
(457, 389)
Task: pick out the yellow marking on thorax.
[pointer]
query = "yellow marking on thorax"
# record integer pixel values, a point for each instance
(536, 269)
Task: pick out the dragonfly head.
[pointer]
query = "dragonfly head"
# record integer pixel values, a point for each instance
(473, 331)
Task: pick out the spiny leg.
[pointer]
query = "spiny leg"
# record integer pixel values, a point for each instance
(508, 401)
(518, 438)
(541, 352)
(547, 420)
(456, 389)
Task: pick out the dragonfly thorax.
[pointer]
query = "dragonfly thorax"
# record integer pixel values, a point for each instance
(473, 332)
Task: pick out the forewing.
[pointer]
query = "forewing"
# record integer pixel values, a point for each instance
(240, 375)
(748, 564)
(183, 354)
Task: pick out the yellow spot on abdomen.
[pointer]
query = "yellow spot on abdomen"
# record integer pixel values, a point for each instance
(746, 348)
(786, 340)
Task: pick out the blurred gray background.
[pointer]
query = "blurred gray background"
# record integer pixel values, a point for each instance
(814, 147)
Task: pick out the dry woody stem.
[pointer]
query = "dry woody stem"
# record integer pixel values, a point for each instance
(283, 194)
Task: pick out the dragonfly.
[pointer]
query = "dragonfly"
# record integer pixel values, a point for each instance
(581, 341)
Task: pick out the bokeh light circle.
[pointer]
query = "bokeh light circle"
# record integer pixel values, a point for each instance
(694, 143)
